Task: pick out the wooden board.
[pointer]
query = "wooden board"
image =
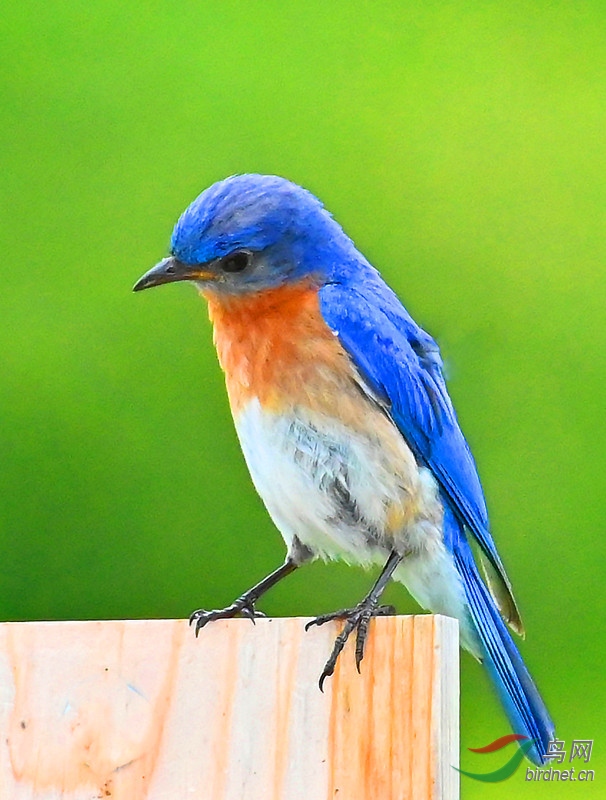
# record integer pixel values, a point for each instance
(141, 710)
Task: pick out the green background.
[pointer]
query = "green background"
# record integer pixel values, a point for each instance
(461, 145)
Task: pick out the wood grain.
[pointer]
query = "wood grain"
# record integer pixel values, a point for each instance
(141, 710)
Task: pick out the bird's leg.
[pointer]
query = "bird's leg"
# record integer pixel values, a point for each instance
(245, 605)
(358, 618)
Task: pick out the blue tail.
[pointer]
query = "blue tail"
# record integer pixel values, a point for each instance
(517, 691)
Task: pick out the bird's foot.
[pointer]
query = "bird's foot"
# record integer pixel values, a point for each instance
(242, 607)
(357, 619)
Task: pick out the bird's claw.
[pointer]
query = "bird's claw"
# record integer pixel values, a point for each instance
(243, 607)
(251, 613)
(357, 619)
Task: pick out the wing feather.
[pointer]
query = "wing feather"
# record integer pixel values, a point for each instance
(401, 364)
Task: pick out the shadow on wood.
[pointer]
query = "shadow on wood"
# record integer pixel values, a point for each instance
(141, 710)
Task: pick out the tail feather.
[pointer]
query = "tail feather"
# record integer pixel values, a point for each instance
(517, 691)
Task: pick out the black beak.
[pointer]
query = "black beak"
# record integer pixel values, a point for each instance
(170, 270)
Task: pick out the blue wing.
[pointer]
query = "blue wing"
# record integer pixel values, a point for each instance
(401, 364)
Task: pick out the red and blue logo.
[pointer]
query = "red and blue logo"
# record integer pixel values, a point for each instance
(507, 770)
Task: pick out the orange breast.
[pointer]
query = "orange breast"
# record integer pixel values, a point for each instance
(274, 345)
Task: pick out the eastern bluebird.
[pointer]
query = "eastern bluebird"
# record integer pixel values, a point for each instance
(346, 425)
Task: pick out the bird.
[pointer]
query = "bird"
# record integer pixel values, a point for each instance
(344, 419)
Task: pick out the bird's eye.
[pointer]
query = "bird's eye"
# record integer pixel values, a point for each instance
(237, 261)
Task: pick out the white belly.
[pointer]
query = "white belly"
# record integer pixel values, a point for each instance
(333, 490)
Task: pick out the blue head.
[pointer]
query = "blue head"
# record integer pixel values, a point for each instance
(252, 232)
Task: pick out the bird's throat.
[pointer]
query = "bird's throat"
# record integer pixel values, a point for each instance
(275, 346)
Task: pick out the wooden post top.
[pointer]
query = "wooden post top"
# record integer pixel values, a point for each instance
(141, 710)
